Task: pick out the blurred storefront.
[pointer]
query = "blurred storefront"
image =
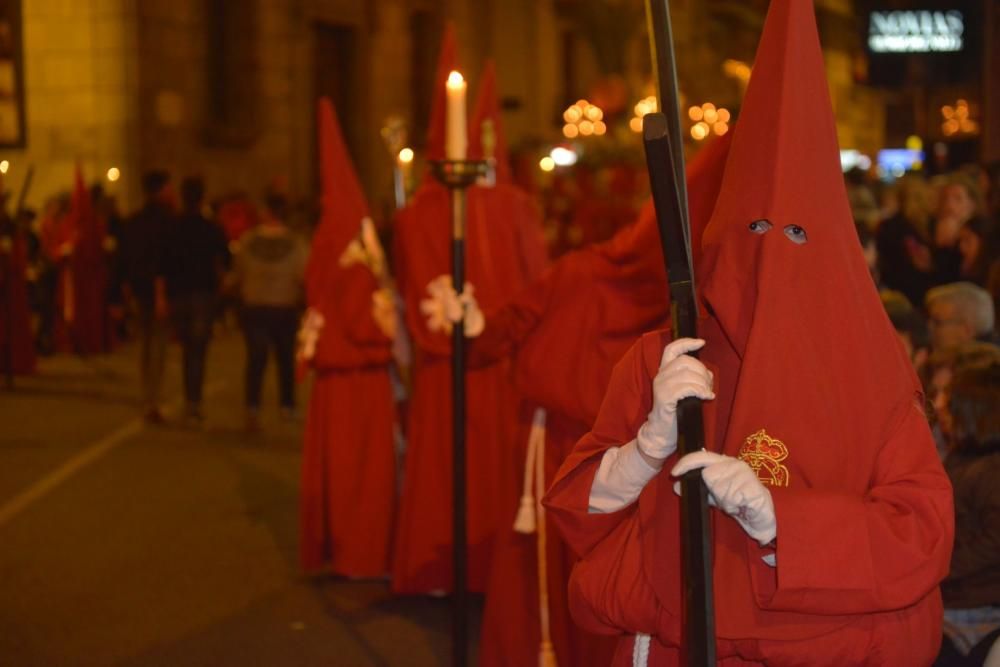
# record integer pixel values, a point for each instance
(931, 61)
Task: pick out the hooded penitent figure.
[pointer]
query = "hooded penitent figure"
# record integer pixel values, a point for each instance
(348, 467)
(88, 267)
(833, 524)
(504, 251)
(565, 331)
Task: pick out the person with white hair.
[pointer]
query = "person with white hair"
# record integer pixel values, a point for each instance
(959, 313)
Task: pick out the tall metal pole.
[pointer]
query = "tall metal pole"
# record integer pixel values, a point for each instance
(458, 176)
(665, 162)
(459, 539)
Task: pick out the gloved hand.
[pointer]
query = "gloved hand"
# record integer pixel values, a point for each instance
(308, 334)
(734, 488)
(384, 312)
(374, 253)
(680, 376)
(445, 307)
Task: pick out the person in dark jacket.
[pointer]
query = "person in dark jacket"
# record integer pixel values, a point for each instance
(197, 255)
(972, 590)
(141, 256)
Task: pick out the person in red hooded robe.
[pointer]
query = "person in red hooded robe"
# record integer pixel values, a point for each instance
(504, 251)
(565, 332)
(834, 522)
(348, 466)
(88, 266)
(58, 240)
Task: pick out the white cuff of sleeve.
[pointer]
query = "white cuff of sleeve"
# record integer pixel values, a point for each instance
(620, 479)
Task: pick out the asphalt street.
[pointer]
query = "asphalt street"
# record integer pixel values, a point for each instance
(123, 544)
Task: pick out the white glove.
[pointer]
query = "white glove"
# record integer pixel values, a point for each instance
(445, 307)
(679, 377)
(308, 334)
(384, 312)
(734, 488)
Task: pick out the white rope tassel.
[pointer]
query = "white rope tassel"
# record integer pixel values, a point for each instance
(640, 651)
(546, 654)
(526, 522)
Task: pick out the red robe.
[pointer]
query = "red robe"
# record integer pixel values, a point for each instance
(855, 583)
(348, 487)
(504, 251)
(59, 235)
(15, 322)
(813, 392)
(348, 462)
(88, 266)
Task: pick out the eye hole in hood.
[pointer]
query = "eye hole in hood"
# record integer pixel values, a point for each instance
(796, 234)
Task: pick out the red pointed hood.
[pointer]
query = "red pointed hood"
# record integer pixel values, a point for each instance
(341, 291)
(343, 202)
(447, 61)
(809, 371)
(781, 265)
(487, 124)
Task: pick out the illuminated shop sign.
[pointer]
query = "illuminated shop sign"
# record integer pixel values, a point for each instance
(921, 31)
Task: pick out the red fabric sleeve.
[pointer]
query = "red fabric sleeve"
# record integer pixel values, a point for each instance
(625, 407)
(844, 554)
(418, 258)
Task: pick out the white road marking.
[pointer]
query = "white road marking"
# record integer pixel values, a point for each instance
(81, 460)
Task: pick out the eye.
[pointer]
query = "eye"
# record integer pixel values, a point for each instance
(796, 234)
(760, 226)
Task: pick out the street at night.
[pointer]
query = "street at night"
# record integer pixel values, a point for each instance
(132, 545)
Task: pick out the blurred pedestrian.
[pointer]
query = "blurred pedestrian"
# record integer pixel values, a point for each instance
(971, 591)
(196, 257)
(17, 349)
(941, 368)
(959, 313)
(870, 249)
(269, 272)
(910, 326)
(142, 264)
(979, 243)
(960, 201)
(904, 255)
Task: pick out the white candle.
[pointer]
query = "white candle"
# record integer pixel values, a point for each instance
(457, 137)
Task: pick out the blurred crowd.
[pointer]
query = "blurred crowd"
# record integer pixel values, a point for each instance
(177, 268)
(933, 247)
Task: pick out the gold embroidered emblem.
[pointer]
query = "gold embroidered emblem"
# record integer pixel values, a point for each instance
(764, 455)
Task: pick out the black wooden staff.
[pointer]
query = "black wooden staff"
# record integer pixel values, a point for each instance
(665, 162)
(458, 175)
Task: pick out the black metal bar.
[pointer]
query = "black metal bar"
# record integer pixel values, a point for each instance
(460, 641)
(696, 545)
(661, 45)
